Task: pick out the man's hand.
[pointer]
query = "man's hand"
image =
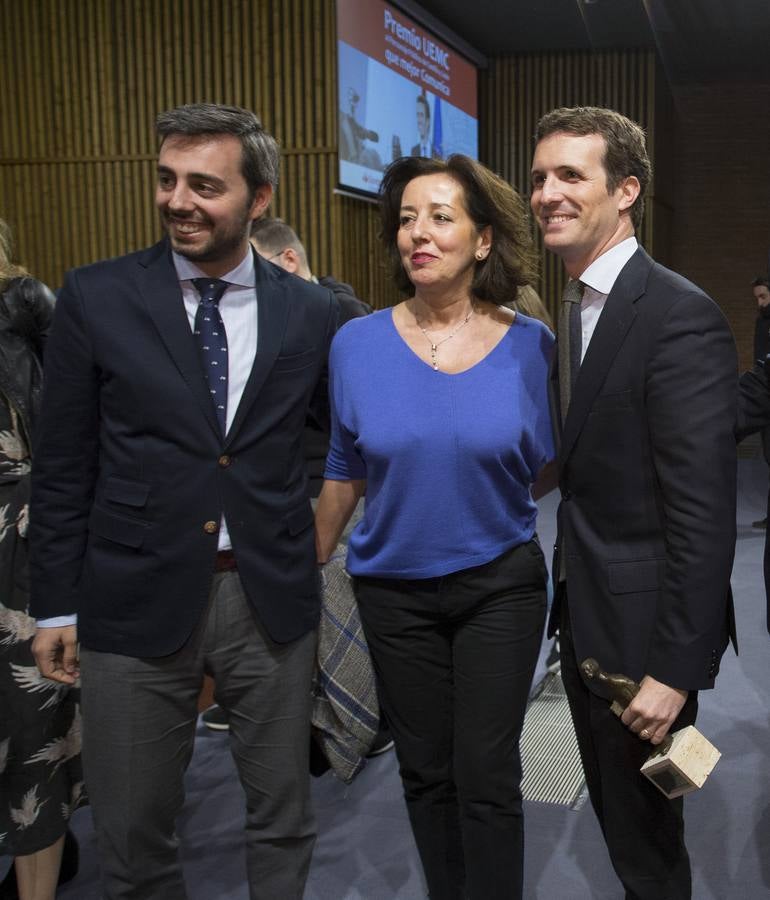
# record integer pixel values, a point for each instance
(55, 652)
(652, 711)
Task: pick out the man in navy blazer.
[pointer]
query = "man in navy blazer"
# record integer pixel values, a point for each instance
(173, 533)
(643, 395)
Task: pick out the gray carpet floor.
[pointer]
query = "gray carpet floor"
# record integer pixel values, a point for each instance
(365, 849)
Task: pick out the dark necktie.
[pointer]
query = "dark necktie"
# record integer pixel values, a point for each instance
(212, 342)
(569, 332)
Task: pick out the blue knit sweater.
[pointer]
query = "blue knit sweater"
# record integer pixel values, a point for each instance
(448, 459)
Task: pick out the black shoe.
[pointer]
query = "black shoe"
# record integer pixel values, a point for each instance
(215, 718)
(760, 523)
(382, 743)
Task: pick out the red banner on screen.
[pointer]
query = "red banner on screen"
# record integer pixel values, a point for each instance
(389, 36)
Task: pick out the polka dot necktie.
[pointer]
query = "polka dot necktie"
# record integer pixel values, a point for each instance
(210, 335)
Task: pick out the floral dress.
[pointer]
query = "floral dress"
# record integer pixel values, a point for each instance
(41, 780)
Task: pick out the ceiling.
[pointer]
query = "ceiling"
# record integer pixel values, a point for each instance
(696, 40)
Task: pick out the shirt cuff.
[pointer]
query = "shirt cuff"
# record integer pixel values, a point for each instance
(58, 621)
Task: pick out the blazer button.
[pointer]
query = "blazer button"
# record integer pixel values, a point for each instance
(211, 527)
(566, 495)
(224, 461)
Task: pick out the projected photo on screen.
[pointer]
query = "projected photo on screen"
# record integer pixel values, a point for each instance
(401, 92)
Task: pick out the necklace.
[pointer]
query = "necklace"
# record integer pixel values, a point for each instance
(434, 345)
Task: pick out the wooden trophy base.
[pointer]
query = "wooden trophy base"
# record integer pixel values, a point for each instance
(682, 763)
(684, 766)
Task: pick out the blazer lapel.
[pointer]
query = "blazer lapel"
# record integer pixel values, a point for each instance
(615, 320)
(272, 316)
(159, 287)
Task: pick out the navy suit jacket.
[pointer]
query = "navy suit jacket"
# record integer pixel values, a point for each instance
(647, 472)
(132, 475)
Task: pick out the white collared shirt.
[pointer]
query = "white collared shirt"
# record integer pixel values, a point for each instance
(238, 308)
(599, 279)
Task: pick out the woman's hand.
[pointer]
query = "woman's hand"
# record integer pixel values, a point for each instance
(547, 480)
(335, 506)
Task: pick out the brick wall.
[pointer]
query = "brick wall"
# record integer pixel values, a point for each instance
(721, 196)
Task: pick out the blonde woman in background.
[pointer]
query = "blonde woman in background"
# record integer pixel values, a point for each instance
(40, 776)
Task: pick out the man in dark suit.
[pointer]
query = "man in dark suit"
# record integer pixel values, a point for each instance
(424, 147)
(644, 393)
(171, 511)
(760, 287)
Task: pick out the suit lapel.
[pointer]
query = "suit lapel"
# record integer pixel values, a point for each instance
(159, 287)
(611, 329)
(272, 316)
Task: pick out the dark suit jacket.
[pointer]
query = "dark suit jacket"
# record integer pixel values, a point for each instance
(648, 482)
(132, 474)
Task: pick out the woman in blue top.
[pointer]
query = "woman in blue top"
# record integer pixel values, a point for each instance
(440, 417)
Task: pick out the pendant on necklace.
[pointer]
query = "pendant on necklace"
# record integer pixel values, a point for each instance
(434, 346)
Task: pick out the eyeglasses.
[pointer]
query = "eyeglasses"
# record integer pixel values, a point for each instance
(279, 253)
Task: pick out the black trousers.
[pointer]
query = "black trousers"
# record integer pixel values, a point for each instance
(643, 830)
(454, 658)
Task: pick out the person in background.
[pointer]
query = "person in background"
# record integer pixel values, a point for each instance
(41, 780)
(644, 393)
(753, 417)
(353, 136)
(760, 287)
(278, 243)
(440, 419)
(528, 301)
(424, 147)
(171, 526)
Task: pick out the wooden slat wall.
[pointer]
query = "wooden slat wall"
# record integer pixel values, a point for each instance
(81, 82)
(516, 91)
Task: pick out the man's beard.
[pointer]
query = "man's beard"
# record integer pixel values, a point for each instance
(221, 242)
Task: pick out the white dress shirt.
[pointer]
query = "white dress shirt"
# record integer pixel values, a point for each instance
(238, 308)
(599, 279)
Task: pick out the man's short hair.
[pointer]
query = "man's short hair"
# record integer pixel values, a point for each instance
(274, 236)
(421, 98)
(761, 281)
(626, 149)
(261, 156)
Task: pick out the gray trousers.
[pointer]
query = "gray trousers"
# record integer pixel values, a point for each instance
(139, 719)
